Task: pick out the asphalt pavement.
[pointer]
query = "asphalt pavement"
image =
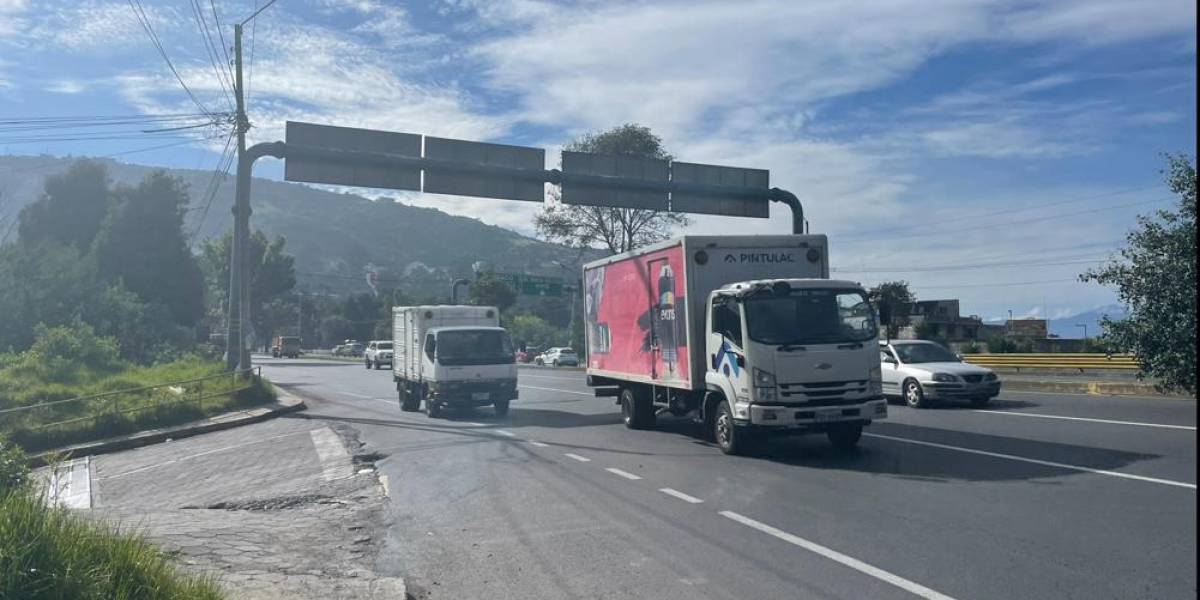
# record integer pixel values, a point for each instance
(1036, 496)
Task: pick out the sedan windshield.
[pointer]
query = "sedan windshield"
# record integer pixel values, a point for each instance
(384, 346)
(810, 316)
(479, 347)
(923, 353)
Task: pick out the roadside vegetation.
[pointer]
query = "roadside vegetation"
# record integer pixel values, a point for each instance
(49, 553)
(72, 361)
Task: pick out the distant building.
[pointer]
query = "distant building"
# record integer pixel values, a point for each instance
(940, 319)
(1027, 328)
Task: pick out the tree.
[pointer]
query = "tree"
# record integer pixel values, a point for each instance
(897, 297)
(141, 244)
(489, 290)
(1155, 278)
(272, 277)
(41, 281)
(71, 207)
(615, 229)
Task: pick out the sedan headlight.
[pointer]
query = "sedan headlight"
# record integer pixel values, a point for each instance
(944, 377)
(763, 378)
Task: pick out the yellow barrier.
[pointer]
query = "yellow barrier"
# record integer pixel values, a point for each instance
(1075, 360)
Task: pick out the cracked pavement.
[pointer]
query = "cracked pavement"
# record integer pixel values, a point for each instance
(289, 508)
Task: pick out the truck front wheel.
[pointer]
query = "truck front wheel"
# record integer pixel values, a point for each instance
(845, 436)
(730, 438)
(636, 408)
(409, 402)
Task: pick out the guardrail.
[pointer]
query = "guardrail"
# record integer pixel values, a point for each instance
(1076, 360)
(115, 403)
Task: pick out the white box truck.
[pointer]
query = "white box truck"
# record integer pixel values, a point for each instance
(452, 357)
(745, 334)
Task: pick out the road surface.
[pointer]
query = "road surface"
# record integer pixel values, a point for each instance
(1038, 496)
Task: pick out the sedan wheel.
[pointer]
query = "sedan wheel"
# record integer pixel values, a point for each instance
(914, 396)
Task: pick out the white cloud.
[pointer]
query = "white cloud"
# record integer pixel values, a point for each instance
(67, 86)
(97, 26)
(1097, 22)
(12, 18)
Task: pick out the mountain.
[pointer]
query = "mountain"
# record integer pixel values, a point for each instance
(334, 236)
(1068, 327)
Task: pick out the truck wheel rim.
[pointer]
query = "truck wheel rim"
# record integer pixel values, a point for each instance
(723, 433)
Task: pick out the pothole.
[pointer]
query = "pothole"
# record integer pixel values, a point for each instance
(278, 503)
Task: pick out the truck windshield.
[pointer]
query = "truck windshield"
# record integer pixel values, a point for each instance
(474, 347)
(810, 316)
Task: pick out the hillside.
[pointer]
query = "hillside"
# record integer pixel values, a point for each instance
(1068, 327)
(334, 236)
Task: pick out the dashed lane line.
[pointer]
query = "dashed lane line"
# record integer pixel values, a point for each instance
(546, 389)
(849, 561)
(539, 444)
(504, 433)
(577, 457)
(625, 474)
(1086, 419)
(1035, 461)
(680, 495)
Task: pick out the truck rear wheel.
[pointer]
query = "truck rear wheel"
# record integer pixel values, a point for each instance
(845, 436)
(636, 408)
(409, 402)
(501, 407)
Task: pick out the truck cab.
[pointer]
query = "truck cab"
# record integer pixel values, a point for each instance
(790, 355)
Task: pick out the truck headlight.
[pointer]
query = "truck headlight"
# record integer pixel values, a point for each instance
(944, 377)
(765, 394)
(763, 378)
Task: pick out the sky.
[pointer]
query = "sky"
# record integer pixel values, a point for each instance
(981, 150)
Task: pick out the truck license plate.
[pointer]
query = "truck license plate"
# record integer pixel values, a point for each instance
(480, 395)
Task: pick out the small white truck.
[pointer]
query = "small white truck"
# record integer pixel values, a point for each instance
(452, 357)
(747, 335)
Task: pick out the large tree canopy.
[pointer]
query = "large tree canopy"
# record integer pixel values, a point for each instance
(71, 208)
(615, 229)
(1155, 278)
(142, 245)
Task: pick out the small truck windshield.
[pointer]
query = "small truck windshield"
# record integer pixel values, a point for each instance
(474, 347)
(810, 316)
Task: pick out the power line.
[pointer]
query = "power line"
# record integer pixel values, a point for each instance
(250, 67)
(1015, 210)
(140, 12)
(210, 49)
(255, 14)
(224, 44)
(933, 224)
(224, 162)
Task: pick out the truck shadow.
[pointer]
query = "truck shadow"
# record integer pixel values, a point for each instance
(897, 455)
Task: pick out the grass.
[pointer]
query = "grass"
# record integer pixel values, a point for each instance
(26, 382)
(48, 553)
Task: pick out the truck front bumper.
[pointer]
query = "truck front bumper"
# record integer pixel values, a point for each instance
(473, 393)
(799, 416)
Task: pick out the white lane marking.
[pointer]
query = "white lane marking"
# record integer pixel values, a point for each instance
(505, 433)
(534, 387)
(70, 484)
(335, 461)
(387, 488)
(1035, 461)
(858, 565)
(577, 457)
(625, 474)
(1086, 419)
(539, 444)
(204, 453)
(681, 496)
(353, 394)
(548, 377)
(473, 424)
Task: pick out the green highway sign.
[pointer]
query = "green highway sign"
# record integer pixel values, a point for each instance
(533, 285)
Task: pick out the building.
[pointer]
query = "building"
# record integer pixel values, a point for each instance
(1027, 328)
(940, 319)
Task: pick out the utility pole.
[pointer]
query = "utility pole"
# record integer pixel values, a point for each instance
(237, 353)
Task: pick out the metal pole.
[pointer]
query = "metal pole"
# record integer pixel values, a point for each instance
(790, 199)
(242, 226)
(454, 289)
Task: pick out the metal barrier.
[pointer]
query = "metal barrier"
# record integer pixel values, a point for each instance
(109, 403)
(1076, 360)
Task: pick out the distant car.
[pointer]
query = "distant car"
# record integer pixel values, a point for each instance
(558, 357)
(378, 353)
(349, 348)
(922, 373)
(528, 354)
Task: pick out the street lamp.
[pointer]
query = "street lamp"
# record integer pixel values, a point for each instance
(1084, 326)
(1010, 323)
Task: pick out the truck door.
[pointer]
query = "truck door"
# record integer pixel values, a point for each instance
(725, 348)
(664, 347)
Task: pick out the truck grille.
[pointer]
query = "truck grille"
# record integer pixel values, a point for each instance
(825, 393)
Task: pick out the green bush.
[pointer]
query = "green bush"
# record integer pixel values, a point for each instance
(49, 553)
(1003, 345)
(13, 468)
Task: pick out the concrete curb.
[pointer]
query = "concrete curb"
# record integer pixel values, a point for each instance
(287, 403)
(1099, 388)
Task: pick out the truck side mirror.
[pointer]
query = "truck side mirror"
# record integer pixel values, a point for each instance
(885, 314)
(741, 361)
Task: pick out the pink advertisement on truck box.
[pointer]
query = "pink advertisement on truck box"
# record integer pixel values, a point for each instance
(636, 316)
